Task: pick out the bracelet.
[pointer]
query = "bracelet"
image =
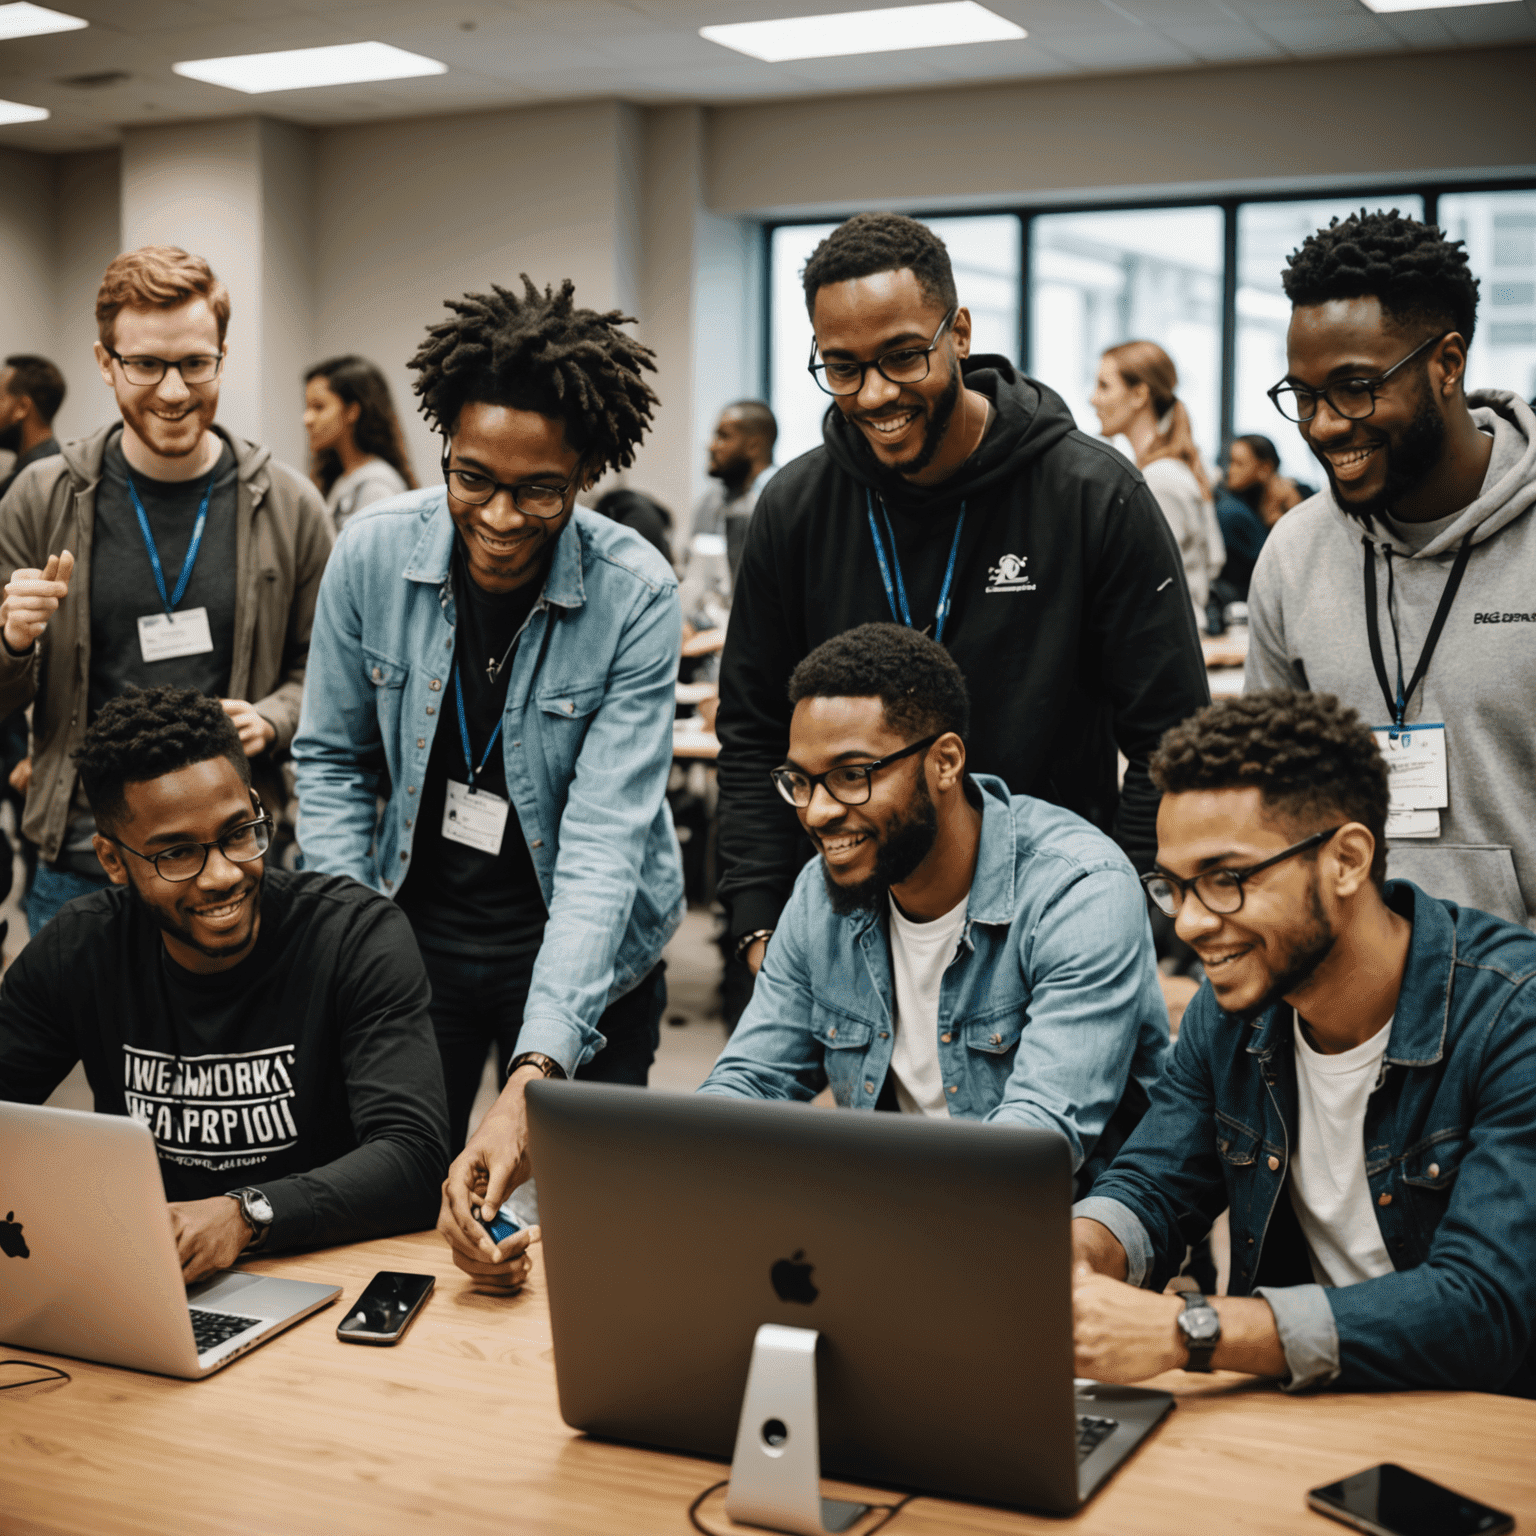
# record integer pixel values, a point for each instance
(747, 940)
(547, 1065)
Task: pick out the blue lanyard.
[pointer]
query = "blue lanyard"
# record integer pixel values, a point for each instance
(896, 591)
(469, 762)
(154, 554)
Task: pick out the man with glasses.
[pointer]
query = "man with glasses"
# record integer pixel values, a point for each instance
(271, 1029)
(1405, 587)
(509, 660)
(954, 495)
(955, 950)
(159, 550)
(1355, 1082)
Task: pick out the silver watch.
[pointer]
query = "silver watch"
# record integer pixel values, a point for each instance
(1201, 1327)
(257, 1212)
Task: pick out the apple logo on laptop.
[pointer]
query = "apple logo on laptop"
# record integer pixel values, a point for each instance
(792, 1280)
(14, 1246)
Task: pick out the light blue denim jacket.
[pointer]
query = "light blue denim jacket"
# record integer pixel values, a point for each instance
(1048, 1010)
(586, 739)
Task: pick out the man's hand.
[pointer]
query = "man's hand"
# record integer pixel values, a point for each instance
(210, 1235)
(755, 952)
(257, 733)
(21, 776)
(1120, 1333)
(493, 1163)
(32, 598)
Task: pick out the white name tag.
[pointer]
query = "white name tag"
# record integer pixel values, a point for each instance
(1416, 771)
(1413, 823)
(474, 817)
(163, 636)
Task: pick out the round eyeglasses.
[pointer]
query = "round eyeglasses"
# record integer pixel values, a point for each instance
(240, 845)
(1220, 890)
(477, 490)
(901, 365)
(200, 369)
(848, 784)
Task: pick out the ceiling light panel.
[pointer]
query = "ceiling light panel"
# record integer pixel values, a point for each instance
(25, 20)
(1422, 5)
(850, 32)
(19, 112)
(303, 69)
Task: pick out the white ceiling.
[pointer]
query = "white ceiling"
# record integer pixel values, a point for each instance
(516, 52)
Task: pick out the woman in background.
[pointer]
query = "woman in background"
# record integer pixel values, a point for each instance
(1135, 397)
(357, 453)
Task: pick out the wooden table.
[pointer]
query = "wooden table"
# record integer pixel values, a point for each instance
(456, 1430)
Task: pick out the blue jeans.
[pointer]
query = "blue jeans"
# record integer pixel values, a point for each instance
(51, 888)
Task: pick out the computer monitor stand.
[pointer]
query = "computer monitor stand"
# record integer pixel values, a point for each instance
(776, 1471)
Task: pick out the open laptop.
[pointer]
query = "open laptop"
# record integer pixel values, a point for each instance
(88, 1264)
(933, 1258)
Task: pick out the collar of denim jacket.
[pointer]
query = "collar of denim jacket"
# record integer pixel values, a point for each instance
(993, 898)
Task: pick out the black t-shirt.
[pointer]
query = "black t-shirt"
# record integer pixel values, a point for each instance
(308, 1071)
(458, 899)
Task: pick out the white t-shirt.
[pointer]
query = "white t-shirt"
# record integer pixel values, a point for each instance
(920, 952)
(1329, 1190)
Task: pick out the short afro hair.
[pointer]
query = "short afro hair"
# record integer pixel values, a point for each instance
(1310, 758)
(916, 680)
(146, 733)
(881, 242)
(541, 353)
(1416, 273)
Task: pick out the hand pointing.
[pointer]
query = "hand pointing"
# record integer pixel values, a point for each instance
(32, 598)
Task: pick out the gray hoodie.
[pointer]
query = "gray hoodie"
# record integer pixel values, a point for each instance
(1306, 613)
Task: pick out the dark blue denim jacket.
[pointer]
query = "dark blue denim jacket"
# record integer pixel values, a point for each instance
(1450, 1153)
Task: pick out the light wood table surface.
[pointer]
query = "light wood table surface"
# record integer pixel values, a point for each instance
(456, 1430)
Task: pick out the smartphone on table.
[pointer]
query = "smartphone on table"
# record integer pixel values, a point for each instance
(1389, 1500)
(385, 1309)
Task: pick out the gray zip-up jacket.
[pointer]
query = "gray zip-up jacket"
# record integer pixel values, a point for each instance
(281, 546)
(1306, 611)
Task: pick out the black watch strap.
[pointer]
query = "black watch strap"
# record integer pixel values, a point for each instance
(546, 1064)
(1200, 1326)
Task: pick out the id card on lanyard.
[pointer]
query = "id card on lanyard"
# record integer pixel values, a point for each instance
(168, 634)
(474, 817)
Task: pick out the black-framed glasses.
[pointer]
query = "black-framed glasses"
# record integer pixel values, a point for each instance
(202, 368)
(1220, 890)
(477, 490)
(901, 365)
(1353, 399)
(240, 845)
(848, 784)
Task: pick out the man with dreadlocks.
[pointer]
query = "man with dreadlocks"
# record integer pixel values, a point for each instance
(1405, 588)
(528, 839)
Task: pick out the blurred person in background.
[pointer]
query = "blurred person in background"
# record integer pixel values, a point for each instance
(1135, 398)
(634, 509)
(31, 392)
(357, 450)
(1251, 499)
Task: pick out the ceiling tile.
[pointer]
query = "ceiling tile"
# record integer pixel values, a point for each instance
(1222, 40)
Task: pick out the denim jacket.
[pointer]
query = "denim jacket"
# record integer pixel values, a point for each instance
(1048, 1010)
(586, 739)
(1450, 1154)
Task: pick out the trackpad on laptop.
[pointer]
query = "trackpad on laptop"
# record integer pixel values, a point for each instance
(220, 1288)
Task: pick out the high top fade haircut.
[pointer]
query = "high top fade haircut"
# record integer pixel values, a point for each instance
(921, 690)
(147, 733)
(541, 353)
(1313, 761)
(1418, 275)
(881, 242)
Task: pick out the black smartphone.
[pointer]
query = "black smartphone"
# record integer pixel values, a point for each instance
(384, 1310)
(1392, 1501)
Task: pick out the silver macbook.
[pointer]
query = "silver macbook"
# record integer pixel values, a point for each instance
(88, 1263)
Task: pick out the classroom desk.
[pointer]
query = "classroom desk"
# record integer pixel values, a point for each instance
(456, 1429)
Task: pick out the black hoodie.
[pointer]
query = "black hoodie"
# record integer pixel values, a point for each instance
(1069, 616)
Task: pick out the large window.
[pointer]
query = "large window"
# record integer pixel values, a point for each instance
(1500, 231)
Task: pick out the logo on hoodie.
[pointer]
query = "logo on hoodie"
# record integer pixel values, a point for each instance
(1009, 575)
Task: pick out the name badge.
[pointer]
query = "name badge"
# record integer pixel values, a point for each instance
(474, 817)
(163, 636)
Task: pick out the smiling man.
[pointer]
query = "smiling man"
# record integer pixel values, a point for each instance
(1355, 1082)
(955, 950)
(159, 550)
(1405, 587)
(271, 1029)
(511, 660)
(956, 496)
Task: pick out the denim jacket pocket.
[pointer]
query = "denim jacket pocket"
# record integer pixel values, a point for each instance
(844, 1042)
(1434, 1162)
(565, 715)
(1237, 1145)
(389, 678)
(996, 1035)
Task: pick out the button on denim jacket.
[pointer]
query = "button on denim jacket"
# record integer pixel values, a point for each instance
(1049, 1008)
(1450, 1156)
(586, 739)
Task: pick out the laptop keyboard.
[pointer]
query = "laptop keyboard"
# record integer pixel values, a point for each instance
(210, 1329)
(1092, 1432)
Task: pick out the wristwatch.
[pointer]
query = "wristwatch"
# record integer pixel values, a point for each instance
(546, 1064)
(257, 1212)
(747, 940)
(1201, 1328)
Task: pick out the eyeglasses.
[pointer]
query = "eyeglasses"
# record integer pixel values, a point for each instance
(848, 784)
(1220, 890)
(1353, 399)
(240, 845)
(901, 365)
(201, 369)
(477, 490)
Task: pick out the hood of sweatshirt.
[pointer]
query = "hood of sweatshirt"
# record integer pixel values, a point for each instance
(1029, 419)
(1509, 487)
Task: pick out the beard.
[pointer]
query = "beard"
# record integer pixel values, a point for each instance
(904, 845)
(938, 424)
(733, 473)
(169, 921)
(1411, 455)
(1307, 949)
